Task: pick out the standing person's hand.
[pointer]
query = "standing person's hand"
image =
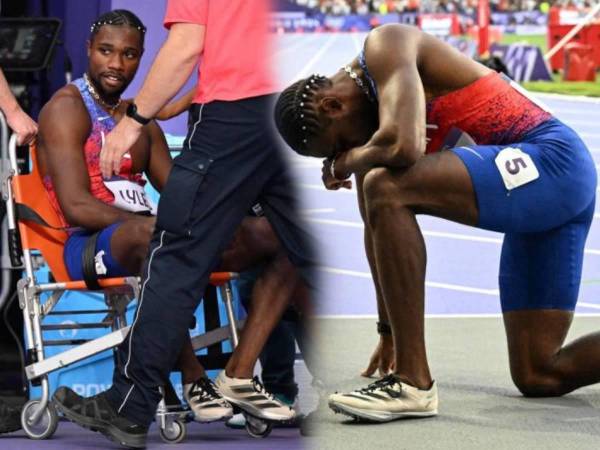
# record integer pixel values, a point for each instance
(116, 144)
(22, 125)
(331, 183)
(382, 358)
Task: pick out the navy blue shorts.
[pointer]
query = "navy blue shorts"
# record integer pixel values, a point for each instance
(75, 245)
(545, 220)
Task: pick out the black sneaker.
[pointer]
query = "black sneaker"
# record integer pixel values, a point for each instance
(10, 418)
(97, 414)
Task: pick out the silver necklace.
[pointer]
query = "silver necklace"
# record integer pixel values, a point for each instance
(90, 86)
(359, 82)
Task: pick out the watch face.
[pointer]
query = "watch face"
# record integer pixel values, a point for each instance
(132, 112)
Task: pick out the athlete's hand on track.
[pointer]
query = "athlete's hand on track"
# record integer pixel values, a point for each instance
(382, 358)
(330, 182)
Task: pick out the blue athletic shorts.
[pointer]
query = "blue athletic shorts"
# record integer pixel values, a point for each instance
(545, 221)
(74, 250)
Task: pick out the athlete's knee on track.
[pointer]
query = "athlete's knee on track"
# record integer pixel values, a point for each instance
(538, 382)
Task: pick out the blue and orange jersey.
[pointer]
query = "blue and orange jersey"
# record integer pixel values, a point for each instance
(102, 124)
(490, 110)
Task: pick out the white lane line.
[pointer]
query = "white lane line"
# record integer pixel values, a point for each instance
(320, 187)
(457, 236)
(318, 211)
(308, 66)
(589, 305)
(584, 134)
(341, 223)
(463, 237)
(576, 112)
(299, 42)
(438, 316)
(570, 98)
(302, 164)
(431, 284)
(585, 123)
(584, 112)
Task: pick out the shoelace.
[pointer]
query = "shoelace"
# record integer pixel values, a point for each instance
(385, 384)
(204, 389)
(258, 387)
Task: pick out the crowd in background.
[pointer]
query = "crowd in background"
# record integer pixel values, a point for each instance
(343, 7)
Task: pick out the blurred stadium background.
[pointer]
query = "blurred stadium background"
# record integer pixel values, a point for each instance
(520, 34)
(528, 36)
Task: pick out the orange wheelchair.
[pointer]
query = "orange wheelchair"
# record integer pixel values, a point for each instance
(37, 238)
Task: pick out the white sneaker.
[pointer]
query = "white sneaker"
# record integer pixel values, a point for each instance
(250, 395)
(205, 401)
(387, 399)
(239, 421)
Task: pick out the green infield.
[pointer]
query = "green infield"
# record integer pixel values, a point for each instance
(534, 39)
(557, 86)
(588, 88)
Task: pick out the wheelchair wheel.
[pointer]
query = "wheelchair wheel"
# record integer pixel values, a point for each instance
(46, 424)
(257, 428)
(174, 432)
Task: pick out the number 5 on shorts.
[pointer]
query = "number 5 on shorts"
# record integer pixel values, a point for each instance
(516, 168)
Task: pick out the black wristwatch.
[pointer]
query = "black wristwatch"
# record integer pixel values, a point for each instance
(132, 112)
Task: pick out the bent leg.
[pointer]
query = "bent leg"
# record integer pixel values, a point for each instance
(130, 241)
(539, 365)
(121, 246)
(270, 297)
(539, 284)
(129, 246)
(254, 242)
(438, 185)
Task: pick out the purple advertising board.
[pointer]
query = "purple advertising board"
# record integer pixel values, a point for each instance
(525, 62)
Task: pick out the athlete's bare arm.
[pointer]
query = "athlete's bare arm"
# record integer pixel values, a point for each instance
(400, 139)
(408, 67)
(64, 126)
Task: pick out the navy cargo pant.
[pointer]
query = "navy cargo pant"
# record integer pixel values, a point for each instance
(230, 160)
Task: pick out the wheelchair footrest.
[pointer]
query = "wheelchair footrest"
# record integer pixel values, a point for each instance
(73, 355)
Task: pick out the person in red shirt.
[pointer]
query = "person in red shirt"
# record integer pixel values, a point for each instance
(230, 161)
(426, 130)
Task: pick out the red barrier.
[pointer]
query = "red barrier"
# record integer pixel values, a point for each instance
(579, 62)
(483, 22)
(560, 22)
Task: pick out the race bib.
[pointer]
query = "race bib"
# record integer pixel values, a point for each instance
(516, 168)
(130, 196)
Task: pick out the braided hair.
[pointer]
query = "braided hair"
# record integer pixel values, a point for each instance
(117, 17)
(295, 114)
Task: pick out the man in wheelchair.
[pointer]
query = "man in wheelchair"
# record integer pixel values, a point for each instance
(110, 222)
